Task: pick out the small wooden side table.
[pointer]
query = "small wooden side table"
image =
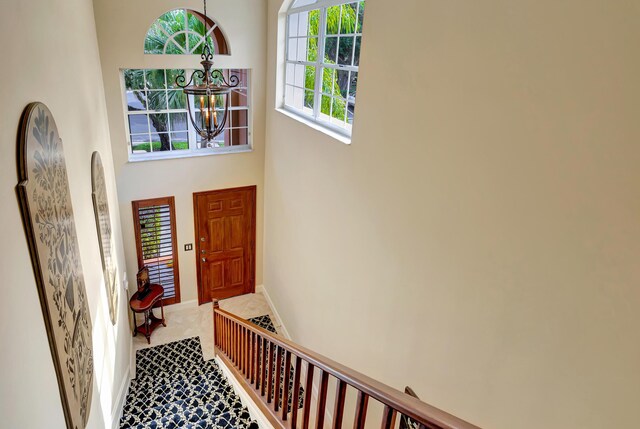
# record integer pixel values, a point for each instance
(145, 305)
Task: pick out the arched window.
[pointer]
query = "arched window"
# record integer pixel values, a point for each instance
(182, 32)
(322, 61)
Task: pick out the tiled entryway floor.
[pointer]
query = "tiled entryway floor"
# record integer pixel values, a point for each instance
(190, 321)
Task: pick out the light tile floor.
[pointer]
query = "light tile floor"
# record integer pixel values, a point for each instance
(191, 321)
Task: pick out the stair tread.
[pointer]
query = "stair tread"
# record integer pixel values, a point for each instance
(176, 388)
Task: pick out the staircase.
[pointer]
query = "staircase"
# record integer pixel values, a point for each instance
(176, 388)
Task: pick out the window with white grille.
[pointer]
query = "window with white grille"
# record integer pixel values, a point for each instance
(322, 61)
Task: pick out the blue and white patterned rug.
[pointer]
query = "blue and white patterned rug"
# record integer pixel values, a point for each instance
(176, 388)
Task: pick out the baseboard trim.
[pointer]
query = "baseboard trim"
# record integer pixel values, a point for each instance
(274, 311)
(117, 411)
(254, 411)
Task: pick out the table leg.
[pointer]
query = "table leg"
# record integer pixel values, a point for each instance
(148, 325)
(162, 311)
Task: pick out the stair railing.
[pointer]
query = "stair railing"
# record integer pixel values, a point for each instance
(258, 358)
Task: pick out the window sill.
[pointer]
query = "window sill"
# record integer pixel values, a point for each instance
(189, 153)
(315, 125)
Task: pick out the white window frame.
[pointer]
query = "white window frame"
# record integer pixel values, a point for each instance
(193, 150)
(319, 65)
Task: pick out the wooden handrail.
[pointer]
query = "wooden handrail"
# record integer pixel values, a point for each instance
(233, 335)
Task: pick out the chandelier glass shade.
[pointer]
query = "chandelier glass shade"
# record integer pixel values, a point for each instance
(207, 93)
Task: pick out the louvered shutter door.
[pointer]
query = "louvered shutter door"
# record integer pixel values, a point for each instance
(156, 242)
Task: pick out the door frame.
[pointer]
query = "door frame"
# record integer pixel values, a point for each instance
(252, 234)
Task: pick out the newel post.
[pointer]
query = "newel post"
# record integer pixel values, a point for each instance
(216, 335)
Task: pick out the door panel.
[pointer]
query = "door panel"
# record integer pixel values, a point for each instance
(225, 237)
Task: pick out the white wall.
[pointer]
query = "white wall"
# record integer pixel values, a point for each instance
(122, 26)
(49, 54)
(479, 239)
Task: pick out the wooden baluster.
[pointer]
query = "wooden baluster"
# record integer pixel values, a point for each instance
(338, 410)
(285, 385)
(243, 351)
(229, 340)
(256, 359)
(249, 351)
(250, 339)
(388, 418)
(307, 396)
(263, 369)
(235, 343)
(296, 392)
(226, 336)
(322, 399)
(361, 410)
(270, 376)
(276, 402)
(237, 351)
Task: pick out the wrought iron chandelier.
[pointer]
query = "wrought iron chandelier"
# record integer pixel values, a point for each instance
(213, 89)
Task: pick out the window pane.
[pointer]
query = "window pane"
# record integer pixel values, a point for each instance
(302, 49)
(300, 76)
(140, 143)
(179, 141)
(293, 25)
(309, 99)
(241, 74)
(160, 142)
(239, 118)
(159, 122)
(353, 84)
(330, 49)
(348, 18)
(333, 20)
(241, 137)
(180, 40)
(338, 109)
(178, 121)
(155, 79)
(356, 55)
(176, 99)
(345, 52)
(310, 77)
(328, 76)
(298, 95)
(292, 52)
(303, 24)
(138, 124)
(172, 75)
(134, 79)
(325, 105)
(239, 98)
(136, 100)
(351, 108)
(314, 22)
(290, 72)
(342, 80)
(312, 50)
(157, 100)
(360, 17)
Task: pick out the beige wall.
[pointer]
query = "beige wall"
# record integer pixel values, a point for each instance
(479, 239)
(49, 54)
(122, 26)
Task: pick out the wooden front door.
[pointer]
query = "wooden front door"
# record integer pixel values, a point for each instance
(225, 223)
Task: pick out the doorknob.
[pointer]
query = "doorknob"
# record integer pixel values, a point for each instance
(201, 238)
(204, 259)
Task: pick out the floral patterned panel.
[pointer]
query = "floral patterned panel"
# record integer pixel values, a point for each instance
(43, 191)
(105, 237)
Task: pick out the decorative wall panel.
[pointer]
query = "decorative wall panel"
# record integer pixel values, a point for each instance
(43, 193)
(105, 235)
